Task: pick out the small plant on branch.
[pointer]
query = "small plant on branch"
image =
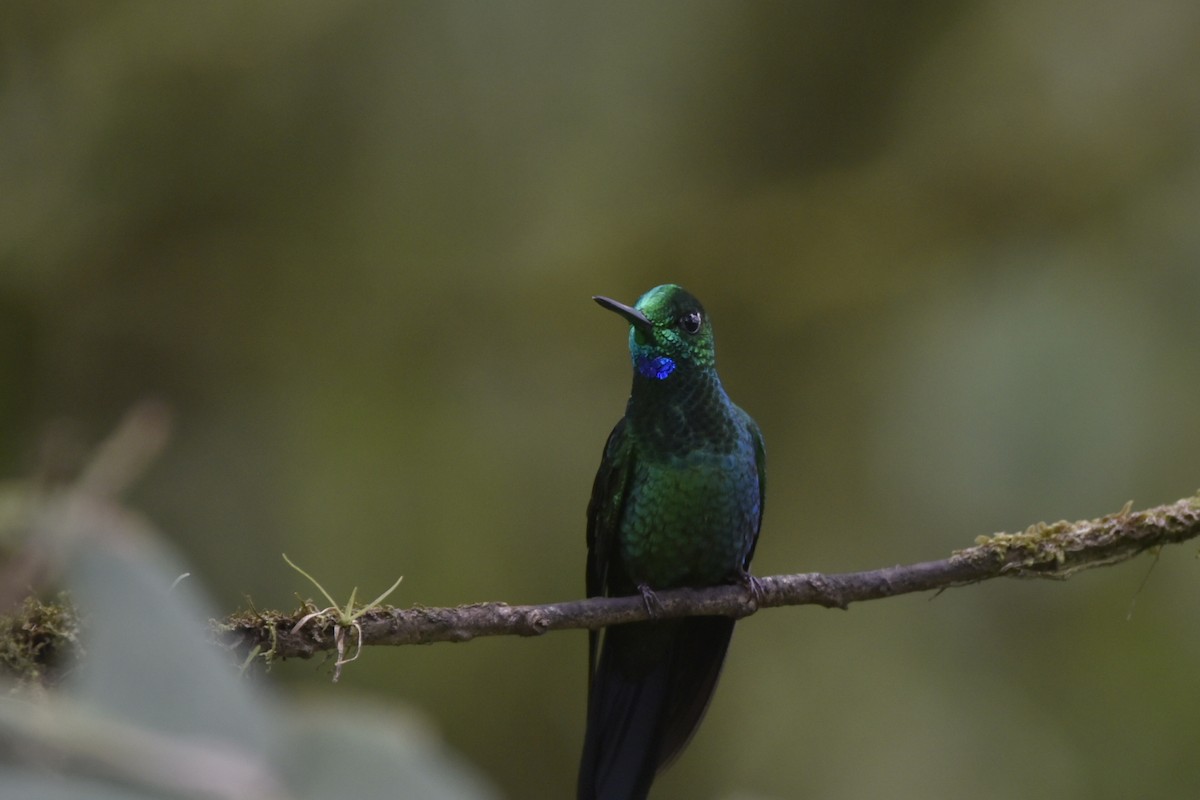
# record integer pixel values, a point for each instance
(344, 620)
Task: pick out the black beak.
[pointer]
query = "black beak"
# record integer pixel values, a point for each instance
(636, 318)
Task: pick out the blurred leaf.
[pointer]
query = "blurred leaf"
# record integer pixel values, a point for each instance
(154, 706)
(29, 784)
(336, 746)
(148, 658)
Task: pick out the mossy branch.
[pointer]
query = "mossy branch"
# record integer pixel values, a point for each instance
(1055, 550)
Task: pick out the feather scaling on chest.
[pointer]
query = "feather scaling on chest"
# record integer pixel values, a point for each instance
(690, 519)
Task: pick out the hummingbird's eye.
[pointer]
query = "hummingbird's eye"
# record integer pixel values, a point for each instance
(690, 321)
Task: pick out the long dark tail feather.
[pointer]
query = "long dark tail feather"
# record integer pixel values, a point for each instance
(648, 694)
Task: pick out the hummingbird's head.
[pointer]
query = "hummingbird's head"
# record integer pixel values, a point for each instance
(670, 331)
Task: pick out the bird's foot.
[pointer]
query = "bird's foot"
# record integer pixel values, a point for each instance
(650, 600)
(757, 591)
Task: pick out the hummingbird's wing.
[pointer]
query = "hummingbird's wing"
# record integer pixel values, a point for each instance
(609, 492)
(760, 460)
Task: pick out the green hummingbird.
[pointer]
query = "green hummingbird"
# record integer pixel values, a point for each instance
(677, 501)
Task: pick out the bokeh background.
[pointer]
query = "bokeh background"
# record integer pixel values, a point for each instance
(952, 255)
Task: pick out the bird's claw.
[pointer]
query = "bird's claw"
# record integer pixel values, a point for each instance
(650, 600)
(757, 590)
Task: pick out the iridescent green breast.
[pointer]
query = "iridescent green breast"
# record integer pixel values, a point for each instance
(691, 518)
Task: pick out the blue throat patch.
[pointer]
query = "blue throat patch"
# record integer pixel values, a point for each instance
(658, 368)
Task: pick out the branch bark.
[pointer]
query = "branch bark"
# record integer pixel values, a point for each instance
(1055, 550)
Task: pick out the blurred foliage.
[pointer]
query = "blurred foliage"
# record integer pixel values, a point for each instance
(152, 709)
(951, 253)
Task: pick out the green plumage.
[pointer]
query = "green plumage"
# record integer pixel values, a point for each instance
(677, 501)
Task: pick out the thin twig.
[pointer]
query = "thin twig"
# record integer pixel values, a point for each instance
(1055, 550)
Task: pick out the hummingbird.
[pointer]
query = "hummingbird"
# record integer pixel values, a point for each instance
(677, 502)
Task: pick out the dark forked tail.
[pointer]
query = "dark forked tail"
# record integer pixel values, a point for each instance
(649, 691)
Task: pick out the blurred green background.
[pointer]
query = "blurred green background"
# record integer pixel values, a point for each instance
(952, 255)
